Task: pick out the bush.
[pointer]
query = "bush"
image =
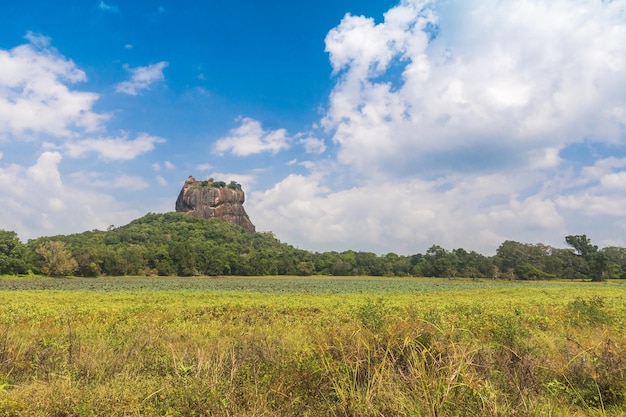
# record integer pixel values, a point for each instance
(589, 311)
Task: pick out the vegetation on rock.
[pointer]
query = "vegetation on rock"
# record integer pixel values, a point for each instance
(214, 199)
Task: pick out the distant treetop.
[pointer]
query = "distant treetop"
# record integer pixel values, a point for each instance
(233, 185)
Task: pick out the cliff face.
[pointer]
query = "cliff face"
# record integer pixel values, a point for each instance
(206, 199)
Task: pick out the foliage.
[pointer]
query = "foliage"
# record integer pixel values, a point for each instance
(233, 185)
(589, 310)
(176, 244)
(57, 260)
(597, 261)
(12, 252)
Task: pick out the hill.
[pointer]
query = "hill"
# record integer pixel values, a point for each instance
(176, 244)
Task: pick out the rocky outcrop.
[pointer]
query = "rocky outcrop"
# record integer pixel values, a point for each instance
(207, 199)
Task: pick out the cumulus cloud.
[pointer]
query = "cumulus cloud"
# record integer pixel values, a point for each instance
(120, 148)
(108, 7)
(34, 94)
(313, 145)
(142, 78)
(204, 167)
(453, 128)
(40, 110)
(250, 138)
(36, 201)
(248, 179)
(597, 192)
(478, 95)
(405, 218)
(616, 181)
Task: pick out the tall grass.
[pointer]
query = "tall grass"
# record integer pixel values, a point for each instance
(520, 350)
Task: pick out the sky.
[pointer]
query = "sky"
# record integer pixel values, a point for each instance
(378, 126)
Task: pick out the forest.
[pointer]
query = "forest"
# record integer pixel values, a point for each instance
(176, 244)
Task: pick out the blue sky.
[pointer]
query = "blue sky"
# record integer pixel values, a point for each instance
(369, 125)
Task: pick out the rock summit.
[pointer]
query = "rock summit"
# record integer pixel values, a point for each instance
(207, 199)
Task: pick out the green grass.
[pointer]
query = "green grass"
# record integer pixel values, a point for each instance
(316, 346)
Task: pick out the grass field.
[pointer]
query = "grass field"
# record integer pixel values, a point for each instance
(311, 346)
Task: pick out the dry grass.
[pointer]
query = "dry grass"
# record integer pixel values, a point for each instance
(520, 350)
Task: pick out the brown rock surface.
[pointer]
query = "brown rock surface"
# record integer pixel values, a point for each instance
(207, 199)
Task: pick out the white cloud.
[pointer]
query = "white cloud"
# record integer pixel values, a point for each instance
(601, 168)
(45, 172)
(476, 212)
(250, 138)
(142, 78)
(162, 181)
(35, 201)
(108, 7)
(120, 148)
(450, 118)
(615, 181)
(405, 217)
(38, 40)
(167, 164)
(246, 179)
(313, 145)
(479, 86)
(38, 110)
(34, 97)
(204, 167)
(99, 180)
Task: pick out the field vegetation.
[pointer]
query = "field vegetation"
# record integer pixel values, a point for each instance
(311, 346)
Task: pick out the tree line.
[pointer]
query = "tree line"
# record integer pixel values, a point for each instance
(182, 245)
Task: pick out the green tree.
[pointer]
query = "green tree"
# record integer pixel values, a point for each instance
(11, 254)
(617, 261)
(526, 261)
(472, 264)
(509, 254)
(345, 264)
(368, 263)
(438, 262)
(598, 262)
(57, 260)
(89, 259)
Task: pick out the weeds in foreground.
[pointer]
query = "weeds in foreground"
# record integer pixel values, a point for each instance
(238, 354)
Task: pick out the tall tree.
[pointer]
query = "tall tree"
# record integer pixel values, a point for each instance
(58, 261)
(11, 254)
(597, 261)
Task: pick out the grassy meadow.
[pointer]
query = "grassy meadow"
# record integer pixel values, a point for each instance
(311, 346)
